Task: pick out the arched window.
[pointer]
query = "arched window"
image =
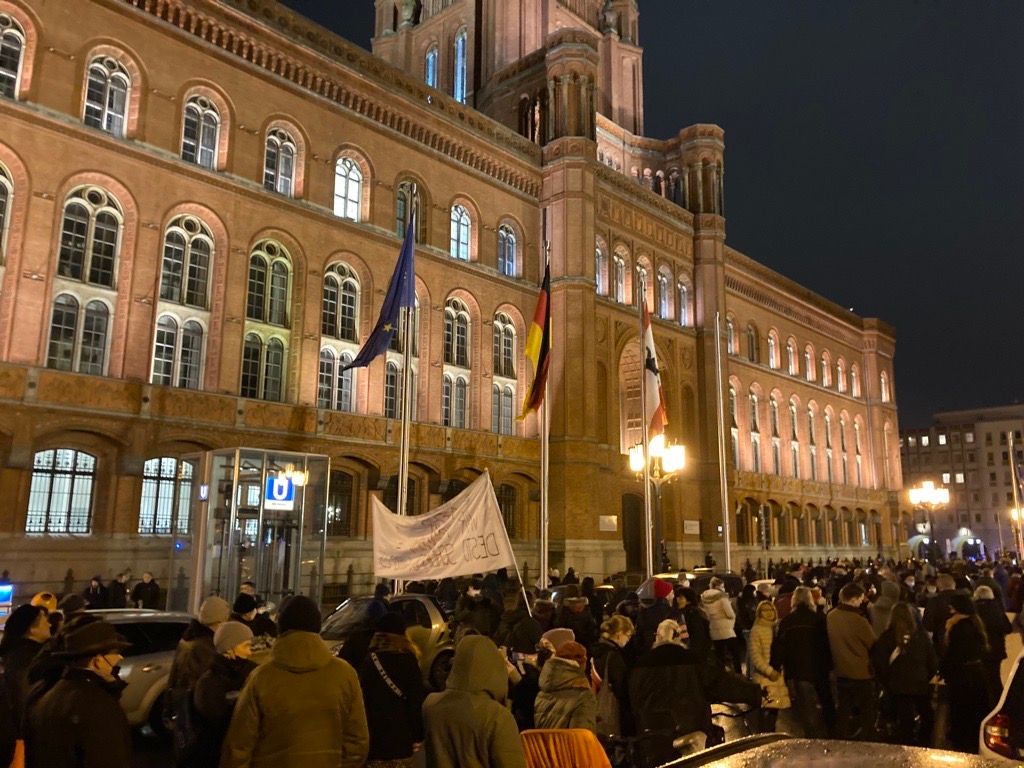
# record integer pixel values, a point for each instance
(773, 409)
(279, 163)
(6, 193)
(348, 188)
(262, 368)
(842, 451)
(731, 346)
(854, 380)
(809, 362)
(883, 380)
(794, 441)
(398, 339)
(857, 453)
(619, 279)
(507, 261)
(184, 277)
(199, 134)
(456, 334)
(811, 444)
(773, 350)
(664, 296)
(504, 346)
(826, 370)
(325, 390)
(461, 67)
(791, 361)
(734, 428)
(841, 375)
(346, 384)
(392, 391)
(268, 288)
(107, 96)
(60, 498)
(90, 237)
(755, 435)
(166, 492)
(753, 345)
(508, 503)
(177, 357)
(334, 386)
(12, 46)
(683, 294)
(430, 67)
(461, 231)
(405, 202)
(600, 272)
(78, 340)
(830, 473)
(339, 308)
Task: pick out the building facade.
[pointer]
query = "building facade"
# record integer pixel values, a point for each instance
(201, 205)
(969, 453)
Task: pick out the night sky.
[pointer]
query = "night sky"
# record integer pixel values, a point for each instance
(874, 153)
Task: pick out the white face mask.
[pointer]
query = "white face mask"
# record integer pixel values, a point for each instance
(472, 592)
(910, 583)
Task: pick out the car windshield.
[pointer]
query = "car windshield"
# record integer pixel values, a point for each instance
(351, 614)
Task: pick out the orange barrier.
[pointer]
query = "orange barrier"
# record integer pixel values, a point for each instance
(563, 748)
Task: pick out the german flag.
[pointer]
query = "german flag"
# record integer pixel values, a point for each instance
(538, 346)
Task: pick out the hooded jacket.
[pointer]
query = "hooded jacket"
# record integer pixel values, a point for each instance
(518, 631)
(720, 613)
(468, 725)
(565, 699)
(303, 709)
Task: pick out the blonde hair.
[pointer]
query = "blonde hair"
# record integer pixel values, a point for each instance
(616, 625)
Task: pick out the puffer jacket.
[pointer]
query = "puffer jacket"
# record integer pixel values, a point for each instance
(303, 709)
(761, 669)
(565, 699)
(720, 613)
(468, 725)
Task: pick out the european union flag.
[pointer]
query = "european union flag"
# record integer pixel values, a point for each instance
(401, 293)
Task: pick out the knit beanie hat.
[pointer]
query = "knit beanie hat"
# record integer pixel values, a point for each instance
(299, 613)
(391, 623)
(662, 589)
(962, 604)
(230, 634)
(244, 604)
(214, 610)
(573, 651)
(556, 638)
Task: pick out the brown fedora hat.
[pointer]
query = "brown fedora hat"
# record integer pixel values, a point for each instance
(91, 640)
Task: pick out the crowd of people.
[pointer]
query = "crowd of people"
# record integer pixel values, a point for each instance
(865, 651)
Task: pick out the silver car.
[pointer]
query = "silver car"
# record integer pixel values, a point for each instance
(154, 636)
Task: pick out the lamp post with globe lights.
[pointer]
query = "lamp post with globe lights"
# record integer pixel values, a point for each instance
(1016, 519)
(664, 463)
(929, 497)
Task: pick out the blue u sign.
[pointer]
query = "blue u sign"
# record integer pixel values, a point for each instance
(280, 493)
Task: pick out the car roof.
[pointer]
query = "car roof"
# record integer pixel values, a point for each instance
(781, 751)
(124, 615)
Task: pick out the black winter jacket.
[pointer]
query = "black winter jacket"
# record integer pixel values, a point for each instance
(79, 724)
(997, 626)
(395, 721)
(648, 619)
(518, 631)
(214, 699)
(801, 646)
(911, 671)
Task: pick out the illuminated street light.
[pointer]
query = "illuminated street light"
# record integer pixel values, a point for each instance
(1016, 519)
(930, 498)
(664, 464)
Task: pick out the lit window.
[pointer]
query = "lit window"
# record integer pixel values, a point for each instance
(456, 334)
(60, 497)
(730, 338)
(809, 362)
(506, 251)
(460, 233)
(430, 67)
(619, 279)
(683, 294)
(753, 353)
(166, 491)
(12, 46)
(268, 287)
(925, 441)
(959, 478)
(6, 192)
(791, 362)
(945, 478)
(348, 188)
(185, 271)
(600, 267)
(663, 296)
(461, 67)
(108, 91)
(942, 438)
(340, 302)
(405, 203)
(968, 437)
(200, 131)
(90, 237)
(504, 346)
(773, 350)
(279, 163)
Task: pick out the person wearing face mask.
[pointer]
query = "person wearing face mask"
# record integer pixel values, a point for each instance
(931, 589)
(79, 722)
(26, 630)
(613, 715)
(908, 588)
(218, 688)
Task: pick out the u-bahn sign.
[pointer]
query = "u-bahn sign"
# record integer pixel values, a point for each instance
(279, 493)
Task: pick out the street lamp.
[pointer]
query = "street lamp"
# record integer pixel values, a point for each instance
(1017, 518)
(664, 464)
(930, 498)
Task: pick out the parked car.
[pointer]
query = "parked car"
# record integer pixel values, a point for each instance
(777, 750)
(154, 636)
(1002, 732)
(428, 631)
(702, 580)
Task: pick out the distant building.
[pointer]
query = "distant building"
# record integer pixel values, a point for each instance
(201, 204)
(968, 452)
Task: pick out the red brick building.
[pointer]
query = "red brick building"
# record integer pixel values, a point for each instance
(201, 205)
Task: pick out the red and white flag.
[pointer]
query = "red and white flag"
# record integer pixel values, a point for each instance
(654, 407)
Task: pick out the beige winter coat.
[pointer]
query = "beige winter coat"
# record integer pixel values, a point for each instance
(761, 670)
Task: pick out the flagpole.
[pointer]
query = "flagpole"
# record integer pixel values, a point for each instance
(648, 514)
(407, 395)
(723, 485)
(545, 433)
(1015, 482)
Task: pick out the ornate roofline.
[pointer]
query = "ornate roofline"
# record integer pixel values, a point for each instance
(315, 64)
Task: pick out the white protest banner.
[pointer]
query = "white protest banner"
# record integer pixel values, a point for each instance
(463, 536)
